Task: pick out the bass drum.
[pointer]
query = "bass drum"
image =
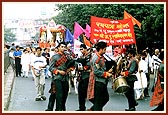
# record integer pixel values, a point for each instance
(120, 85)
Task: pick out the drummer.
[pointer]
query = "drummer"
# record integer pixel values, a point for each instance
(132, 68)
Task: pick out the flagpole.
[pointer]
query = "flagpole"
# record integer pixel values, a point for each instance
(136, 49)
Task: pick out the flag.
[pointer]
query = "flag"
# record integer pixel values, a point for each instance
(135, 21)
(86, 41)
(78, 30)
(69, 37)
(108, 30)
(87, 31)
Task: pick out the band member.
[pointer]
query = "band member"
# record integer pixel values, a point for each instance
(38, 65)
(158, 94)
(52, 99)
(98, 80)
(58, 68)
(72, 56)
(131, 78)
(70, 51)
(84, 77)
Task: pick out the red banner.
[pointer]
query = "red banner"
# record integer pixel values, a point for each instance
(113, 32)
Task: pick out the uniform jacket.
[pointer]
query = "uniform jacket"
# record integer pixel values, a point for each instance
(58, 62)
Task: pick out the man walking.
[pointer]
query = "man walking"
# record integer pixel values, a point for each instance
(38, 65)
(58, 68)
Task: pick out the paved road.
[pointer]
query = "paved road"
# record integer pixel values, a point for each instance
(23, 95)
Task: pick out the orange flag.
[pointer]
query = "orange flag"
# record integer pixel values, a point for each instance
(86, 41)
(135, 21)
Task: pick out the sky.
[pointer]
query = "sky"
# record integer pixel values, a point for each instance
(26, 10)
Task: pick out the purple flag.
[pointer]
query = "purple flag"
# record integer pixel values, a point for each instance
(78, 30)
(69, 37)
(88, 31)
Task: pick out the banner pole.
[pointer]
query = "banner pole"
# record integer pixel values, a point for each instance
(136, 49)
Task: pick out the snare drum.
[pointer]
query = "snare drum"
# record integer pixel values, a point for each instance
(120, 85)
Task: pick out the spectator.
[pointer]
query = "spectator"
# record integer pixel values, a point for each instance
(12, 58)
(13, 46)
(155, 65)
(38, 65)
(46, 54)
(17, 55)
(25, 62)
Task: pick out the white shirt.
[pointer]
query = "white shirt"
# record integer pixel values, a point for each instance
(148, 59)
(25, 59)
(38, 61)
(32, 56)
(143, 66)
(11, 54)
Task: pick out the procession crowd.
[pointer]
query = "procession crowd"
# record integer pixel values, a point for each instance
(92, 70)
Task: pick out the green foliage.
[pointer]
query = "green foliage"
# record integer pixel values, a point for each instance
(8, 35)
(151, 17)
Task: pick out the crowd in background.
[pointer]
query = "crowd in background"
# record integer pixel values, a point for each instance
(22, 64)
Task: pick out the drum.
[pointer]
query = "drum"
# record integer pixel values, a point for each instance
(120, 85)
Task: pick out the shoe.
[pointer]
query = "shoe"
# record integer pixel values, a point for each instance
(140, 98)
(89, 110)
(38, 99)
(43, 97)
(48, 110)
(131, 109)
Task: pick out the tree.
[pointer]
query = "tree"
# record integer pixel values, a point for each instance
(9, 36)
(151, 17)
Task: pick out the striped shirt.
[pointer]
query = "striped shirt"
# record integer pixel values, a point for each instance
(155, 62)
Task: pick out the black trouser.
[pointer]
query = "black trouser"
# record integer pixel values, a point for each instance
(51, 101)
(62, 88)
(82, 93)
(18, 66)
(101, 96)
(130, 95)
(148, 83)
